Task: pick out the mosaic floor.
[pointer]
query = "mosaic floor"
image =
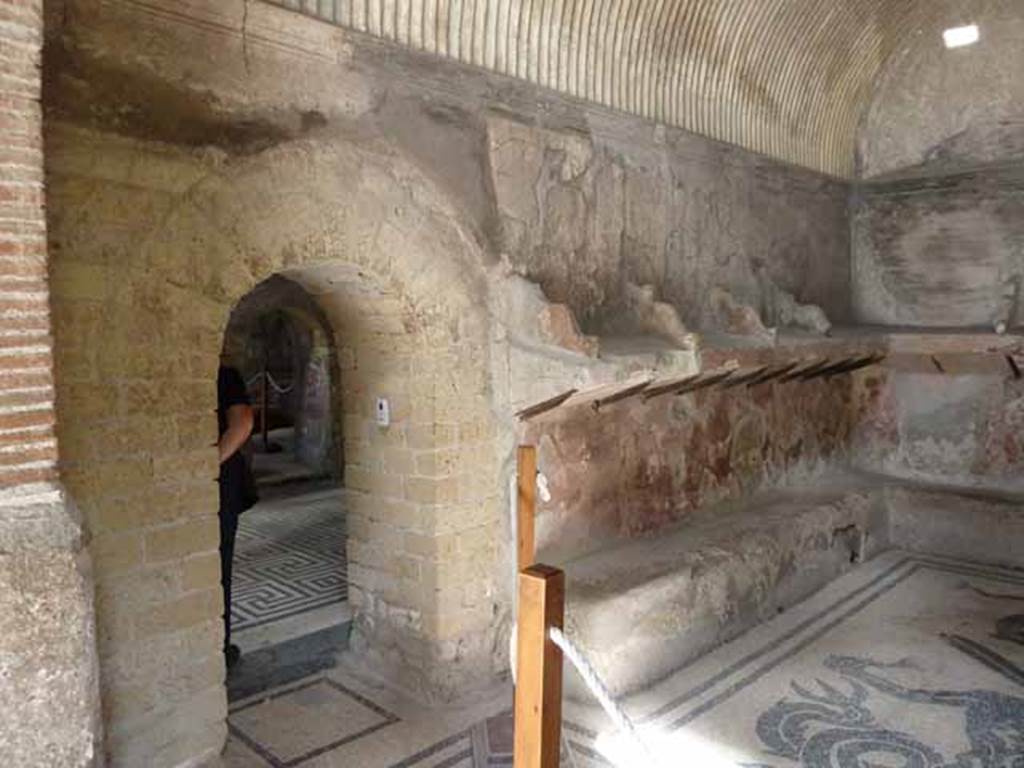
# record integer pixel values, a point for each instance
(289, 558)
(338, 718)
(908, 662)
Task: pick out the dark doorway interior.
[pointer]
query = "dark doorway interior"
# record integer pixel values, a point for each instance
(289, 606)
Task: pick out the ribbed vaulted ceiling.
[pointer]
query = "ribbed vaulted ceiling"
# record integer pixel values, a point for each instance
(789, 78)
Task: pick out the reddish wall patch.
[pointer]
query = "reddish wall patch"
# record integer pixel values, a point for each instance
(636, 467)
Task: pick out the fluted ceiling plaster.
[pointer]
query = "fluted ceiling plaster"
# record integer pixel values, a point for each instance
(788, 78)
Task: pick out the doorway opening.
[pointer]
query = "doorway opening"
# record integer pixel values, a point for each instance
(289, 608)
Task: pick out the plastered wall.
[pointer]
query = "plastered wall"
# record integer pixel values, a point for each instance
(937, 233)
(942, 251)
(587, 209)
(960, 428)
(938, 243)
(935, 106)
(640, 466)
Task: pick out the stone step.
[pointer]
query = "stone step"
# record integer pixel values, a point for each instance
(642, 609)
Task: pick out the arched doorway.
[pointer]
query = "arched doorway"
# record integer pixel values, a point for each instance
(289, 609)
(382, 254)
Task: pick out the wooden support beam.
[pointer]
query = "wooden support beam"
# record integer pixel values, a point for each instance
(1014, 366)
(745, 376)
(668, 386)
(773, 373)
(595, 395)
(805, 368)
(629, 390)
(545, 406)
(830, 369)
(706, 380)
(538, 712)
(860, 362)
(526, 506)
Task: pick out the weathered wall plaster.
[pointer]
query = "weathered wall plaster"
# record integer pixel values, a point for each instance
(938, 237)
(965, 429)
(945, 251)
(590, 211)
(940, 107)
(938, 242)
(637, 467)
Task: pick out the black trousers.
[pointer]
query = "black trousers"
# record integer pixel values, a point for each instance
(228, 532)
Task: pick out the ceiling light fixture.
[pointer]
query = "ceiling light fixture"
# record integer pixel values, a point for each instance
(958, 37)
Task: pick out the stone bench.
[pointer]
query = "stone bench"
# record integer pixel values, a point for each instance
(968, 523)
(641, 609)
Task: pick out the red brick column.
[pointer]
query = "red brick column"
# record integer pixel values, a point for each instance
(48, 679)
(28, 448)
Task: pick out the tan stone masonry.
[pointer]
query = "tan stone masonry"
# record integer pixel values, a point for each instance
(140, 317)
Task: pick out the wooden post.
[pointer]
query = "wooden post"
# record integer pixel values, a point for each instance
(538, 711)
(526, 506)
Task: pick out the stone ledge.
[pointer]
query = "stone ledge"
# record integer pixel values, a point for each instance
(642, 609)
(40, 517)
(983, 524)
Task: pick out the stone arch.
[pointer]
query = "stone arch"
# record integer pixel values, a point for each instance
(402, 284)
(392, 272)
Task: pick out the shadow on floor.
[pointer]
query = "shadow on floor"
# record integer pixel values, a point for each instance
(287, 662)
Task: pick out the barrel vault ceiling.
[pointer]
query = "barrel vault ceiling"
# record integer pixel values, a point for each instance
(787, 78)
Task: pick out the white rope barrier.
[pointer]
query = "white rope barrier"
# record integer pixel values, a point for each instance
(273, 384)
(597, 688)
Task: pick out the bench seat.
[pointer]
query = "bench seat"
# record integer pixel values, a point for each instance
(643, 608)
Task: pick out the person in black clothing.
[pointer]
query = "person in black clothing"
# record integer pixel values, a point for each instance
(237, 488)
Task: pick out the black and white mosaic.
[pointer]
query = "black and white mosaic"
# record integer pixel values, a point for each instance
(908, 662)
(834, 726)
(929, 673)
(289, 559)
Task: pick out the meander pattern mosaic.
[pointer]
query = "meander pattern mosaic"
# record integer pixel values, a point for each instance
(289, 559)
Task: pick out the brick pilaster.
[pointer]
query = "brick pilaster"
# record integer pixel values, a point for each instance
(28, 448)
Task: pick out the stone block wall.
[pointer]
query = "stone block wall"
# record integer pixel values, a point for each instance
(46, 602)
(143, 287)
(136, 421)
